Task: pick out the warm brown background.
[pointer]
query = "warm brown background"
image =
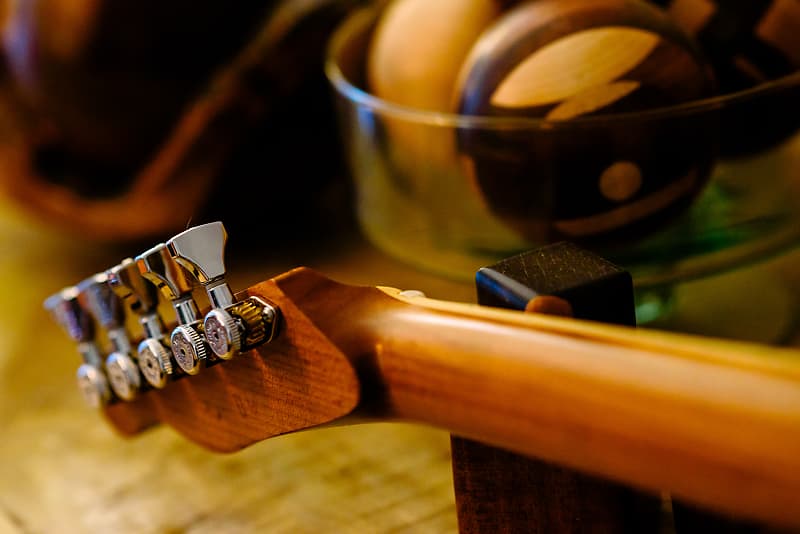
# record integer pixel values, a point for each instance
(63, 470)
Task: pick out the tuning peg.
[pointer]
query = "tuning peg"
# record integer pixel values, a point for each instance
(103, 303)
(142, 298)
(186, 340)
(230, 326)
(129, 285)
(201, 251)
(67, 312)
(76, 322)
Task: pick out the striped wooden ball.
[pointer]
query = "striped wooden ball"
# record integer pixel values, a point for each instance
(749, 44)
(564, 61)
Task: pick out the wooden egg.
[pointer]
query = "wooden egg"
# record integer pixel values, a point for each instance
(414, 56)
(748, 44)
(418, 48)
(579, 173)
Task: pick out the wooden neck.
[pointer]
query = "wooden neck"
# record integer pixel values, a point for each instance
(713, 422)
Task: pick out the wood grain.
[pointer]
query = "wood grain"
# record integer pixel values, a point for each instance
(556, 63)
(512, 493)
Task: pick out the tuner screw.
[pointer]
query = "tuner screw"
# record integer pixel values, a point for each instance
(188, 348)
(223, 333)
(93, 385)
(240, 326)
(124, 375)
(154, 362)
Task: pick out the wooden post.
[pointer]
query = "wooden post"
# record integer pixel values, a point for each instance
(499, 491)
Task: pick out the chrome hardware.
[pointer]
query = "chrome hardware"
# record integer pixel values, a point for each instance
(189, 348)
(123, 373)
(142, 298)
(230, 326)
(186, 340)
(155, 362)
(223, 333)
(77, 323)
(129, 285)
(93, 385)
(201, 251)
(108, 310)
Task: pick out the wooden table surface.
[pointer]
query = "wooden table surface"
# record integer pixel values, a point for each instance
(62, 469)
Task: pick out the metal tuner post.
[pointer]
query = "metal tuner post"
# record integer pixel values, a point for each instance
(107, 309)
(142, 298)
(188, 345)
(230, 327)
(77, 323)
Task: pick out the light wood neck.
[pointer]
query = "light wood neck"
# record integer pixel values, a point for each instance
(713, 422)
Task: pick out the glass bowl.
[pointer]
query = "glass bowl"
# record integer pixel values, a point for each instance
(418, 197)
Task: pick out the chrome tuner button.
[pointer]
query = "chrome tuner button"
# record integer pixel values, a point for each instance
(93, 385)
(188, 349)
(230, 327)
(223, 333)
(154, 362)
(124, 375)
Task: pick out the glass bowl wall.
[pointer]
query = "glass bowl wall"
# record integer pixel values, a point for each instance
(417, 196)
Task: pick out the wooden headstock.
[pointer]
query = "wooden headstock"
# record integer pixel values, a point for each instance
(299, 381)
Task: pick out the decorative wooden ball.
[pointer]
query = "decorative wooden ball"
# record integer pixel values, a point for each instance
(414, 56)
(418, 48)
(748, 44)
(579, 173)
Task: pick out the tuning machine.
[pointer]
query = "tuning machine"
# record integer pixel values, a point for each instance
(108, 310)
(77, 323)
(142, 298)
(230, 327)
(186, 340)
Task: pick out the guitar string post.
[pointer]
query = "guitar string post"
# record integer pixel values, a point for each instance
(141, 296)
(77, 323)
(187, 342)
(230, 327)
(108, 310)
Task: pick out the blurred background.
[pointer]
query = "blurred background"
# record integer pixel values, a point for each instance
(375, 143)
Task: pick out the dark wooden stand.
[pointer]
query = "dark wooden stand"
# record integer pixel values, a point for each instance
(499, 491)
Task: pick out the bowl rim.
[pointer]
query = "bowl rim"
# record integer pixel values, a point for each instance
(362, 18)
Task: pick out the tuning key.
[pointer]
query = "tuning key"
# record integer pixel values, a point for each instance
(188, 346)
(108, 310)
(142, 298)
(67, 312)
(230, 327)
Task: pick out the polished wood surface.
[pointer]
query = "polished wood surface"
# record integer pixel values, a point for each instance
(64, 470)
